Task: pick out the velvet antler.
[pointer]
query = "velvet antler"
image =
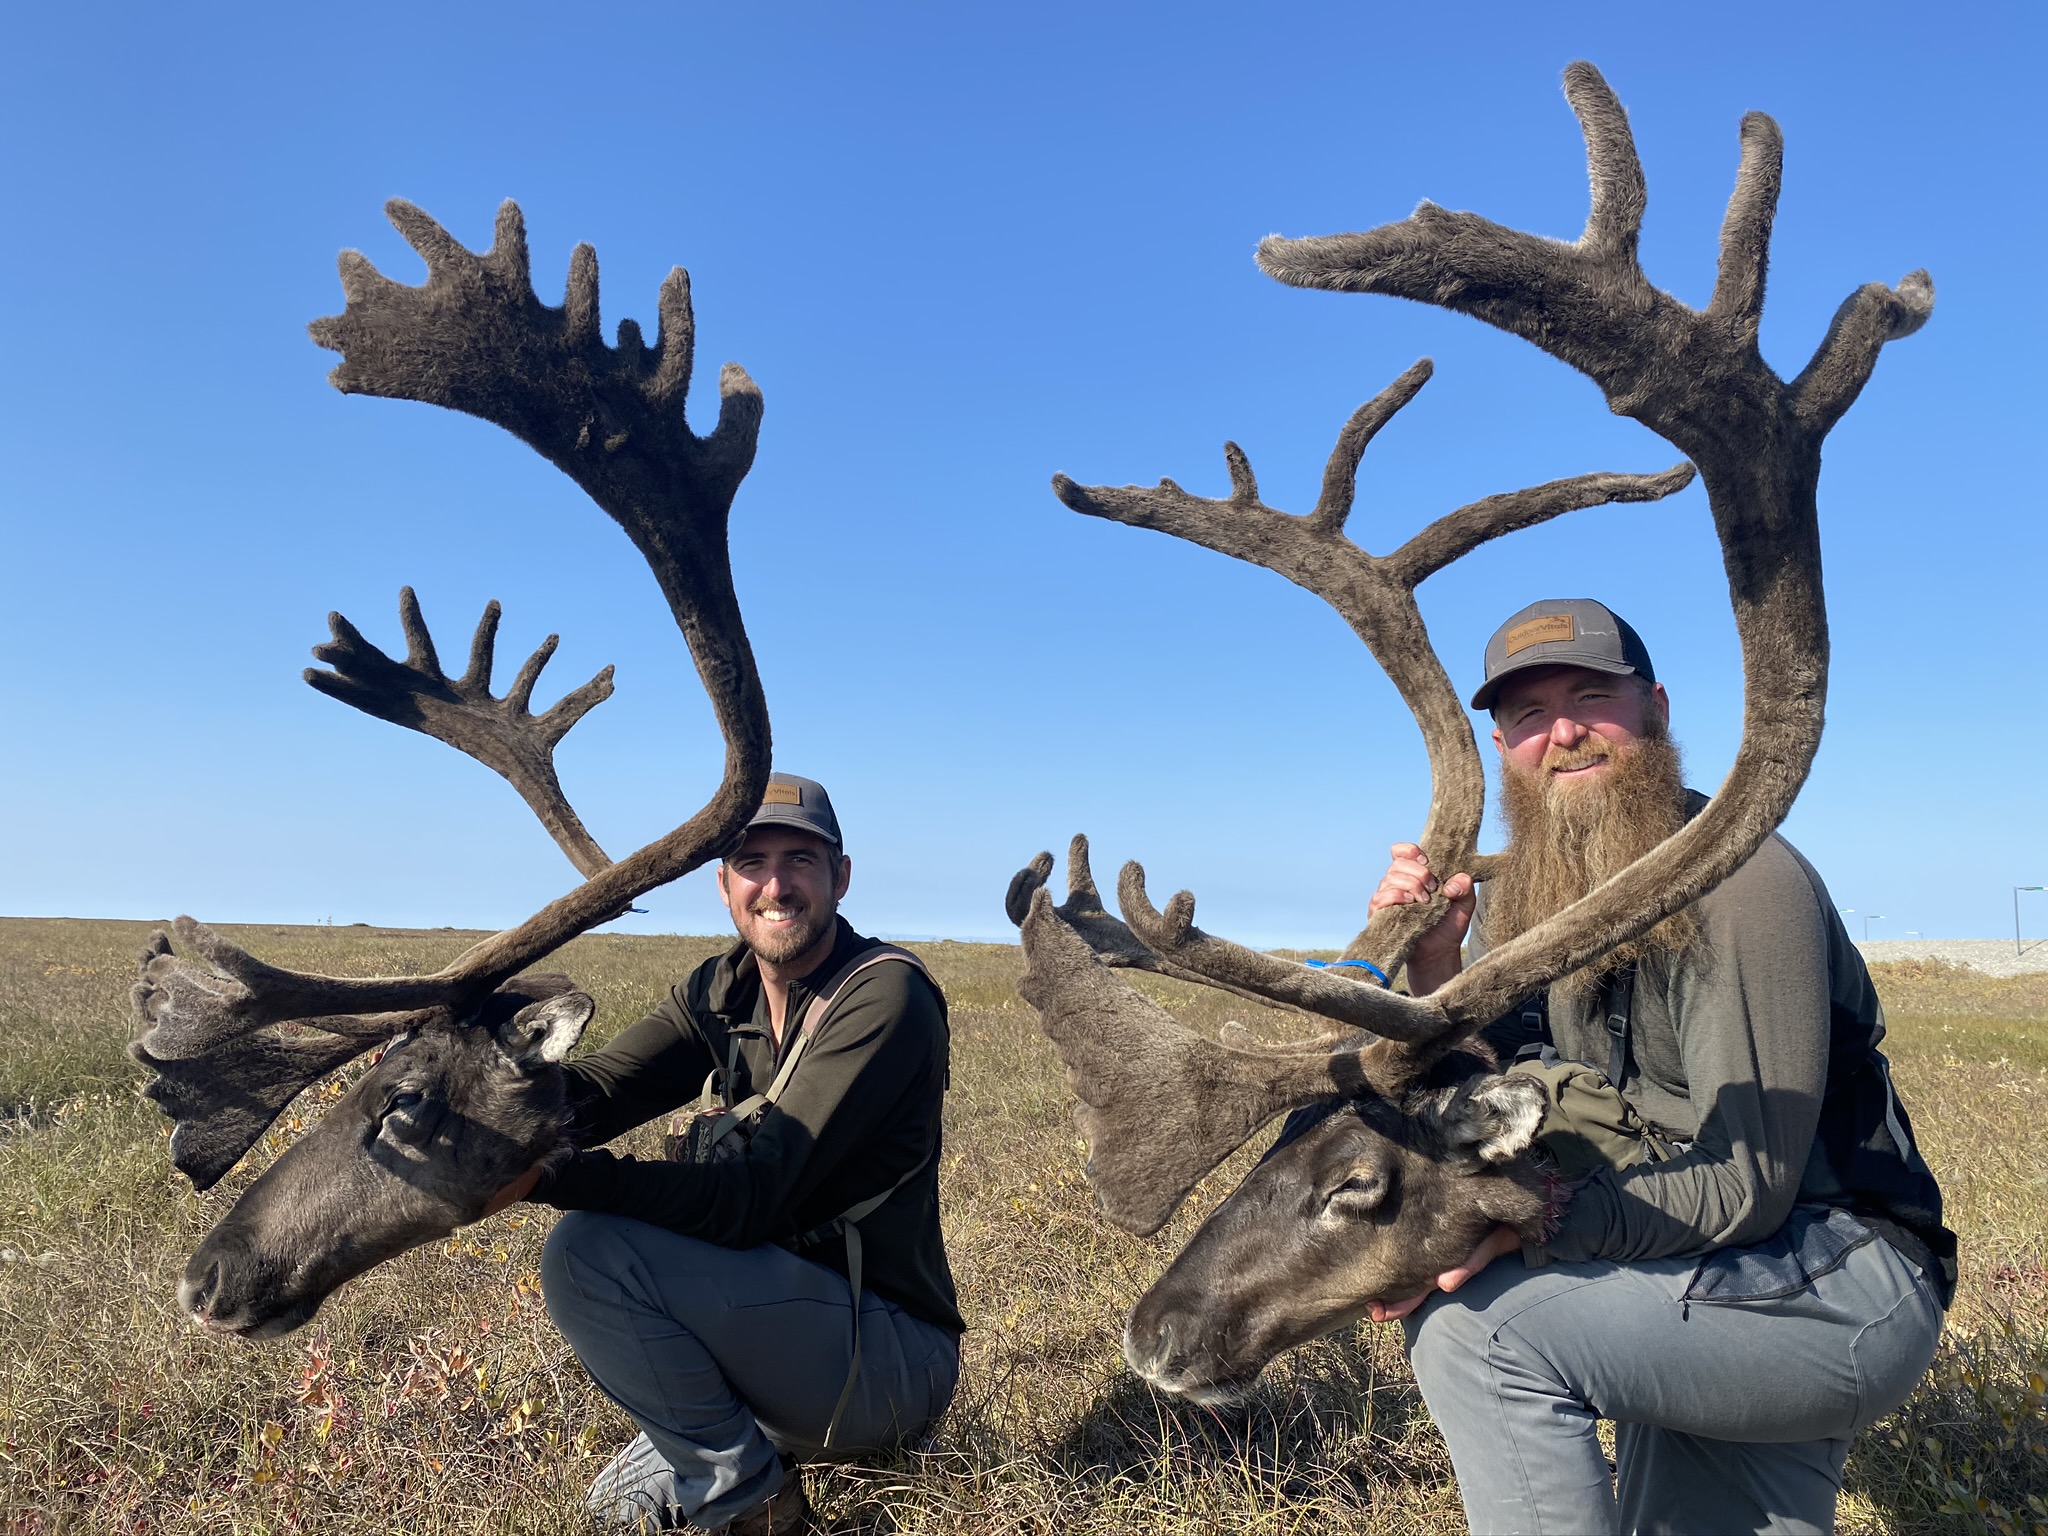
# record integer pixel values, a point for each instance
(1375, 595)
(501, 733)
(474, 338)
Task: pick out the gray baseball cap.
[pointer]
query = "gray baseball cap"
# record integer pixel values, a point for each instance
(801, 803)
(1563, 632)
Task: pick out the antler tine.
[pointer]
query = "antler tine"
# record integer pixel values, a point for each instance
(1842, 364)
(499, 733)
(1364, 1006)
(1456, 534)
(483, 649)
(1614, 223)
(1746, 229)
(1111, 942)
(420, 655)
(1584, 302)
(1340, 475)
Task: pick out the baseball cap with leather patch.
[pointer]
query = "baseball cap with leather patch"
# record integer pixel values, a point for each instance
(1563, 632)
(800, 803)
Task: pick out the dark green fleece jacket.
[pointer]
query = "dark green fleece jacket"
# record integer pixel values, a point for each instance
(861, 1110)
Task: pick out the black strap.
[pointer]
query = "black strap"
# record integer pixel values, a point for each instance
(1618, 999)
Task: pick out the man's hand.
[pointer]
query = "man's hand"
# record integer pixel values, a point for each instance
(512, 1193)
(1438, 954)
(1497, 1242)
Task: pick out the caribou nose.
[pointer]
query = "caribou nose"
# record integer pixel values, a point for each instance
(1148, 1345)
(199, 1287)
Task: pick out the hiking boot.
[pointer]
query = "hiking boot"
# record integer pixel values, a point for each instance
(785, 1513)
(636, 1491)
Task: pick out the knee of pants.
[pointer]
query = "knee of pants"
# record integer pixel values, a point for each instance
(1444, 1332)
(576, 1233)
(589, 1248)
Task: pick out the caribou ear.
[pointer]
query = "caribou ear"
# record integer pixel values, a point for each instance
(1493, 1118)
(543, 1033)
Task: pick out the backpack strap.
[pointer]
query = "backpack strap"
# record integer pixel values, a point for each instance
(847, 1222)
(847, 1225)
(827, 997)
(1619, 1000)
(813, 1020)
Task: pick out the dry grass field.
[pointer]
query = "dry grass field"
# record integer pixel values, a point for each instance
(433, 1395)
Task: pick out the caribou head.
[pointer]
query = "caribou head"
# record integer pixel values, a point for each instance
(1417, 1147)
(1361, 1198)
(466, 1092)
(447, 1115)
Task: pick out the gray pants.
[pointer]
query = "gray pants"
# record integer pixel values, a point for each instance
(1732, 1415)
(725, 1357)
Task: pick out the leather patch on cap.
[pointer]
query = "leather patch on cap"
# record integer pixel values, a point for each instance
(789, 794)
(1552, 626)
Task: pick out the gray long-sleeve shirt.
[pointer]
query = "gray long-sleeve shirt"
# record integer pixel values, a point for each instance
(1731, 1050)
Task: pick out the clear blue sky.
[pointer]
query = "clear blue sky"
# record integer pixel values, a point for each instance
(963, 247)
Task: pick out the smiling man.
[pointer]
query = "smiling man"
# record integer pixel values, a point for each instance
(713, 1295)
(1752, 1266)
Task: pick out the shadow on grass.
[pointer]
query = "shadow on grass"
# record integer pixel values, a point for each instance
(1323, 1419)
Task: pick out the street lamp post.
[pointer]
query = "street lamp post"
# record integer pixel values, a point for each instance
(2016, 950)
(1868, 919)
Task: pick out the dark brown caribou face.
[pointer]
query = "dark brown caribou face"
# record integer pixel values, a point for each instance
(1360, 1200)
(448, 1116)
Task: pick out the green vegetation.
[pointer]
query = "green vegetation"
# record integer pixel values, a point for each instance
(434, 1396)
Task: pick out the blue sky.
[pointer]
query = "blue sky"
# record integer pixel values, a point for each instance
(962, 248)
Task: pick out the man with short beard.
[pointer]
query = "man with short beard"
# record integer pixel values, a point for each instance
(1753, 1266)
(776, 1290)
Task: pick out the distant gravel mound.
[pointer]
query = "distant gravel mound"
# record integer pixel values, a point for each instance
(1992, 957)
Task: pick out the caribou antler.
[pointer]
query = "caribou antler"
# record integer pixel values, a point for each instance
(1694, 377)
(1697, 379)
(1376, 597)
(502, 734)
(474, 338)
(1111, 942)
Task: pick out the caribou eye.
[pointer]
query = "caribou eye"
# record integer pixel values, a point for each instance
(409, 1117)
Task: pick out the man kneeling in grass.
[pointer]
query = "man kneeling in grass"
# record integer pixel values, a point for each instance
(777, 1290)
(1753, 1265)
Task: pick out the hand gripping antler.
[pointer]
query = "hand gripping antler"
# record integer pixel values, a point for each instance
(502, 734)
(474, 338)
(1697, 379)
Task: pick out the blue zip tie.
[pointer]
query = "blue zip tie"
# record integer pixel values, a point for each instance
(1363, 965)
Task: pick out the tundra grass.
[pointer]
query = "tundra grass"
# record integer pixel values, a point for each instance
(434, 1396)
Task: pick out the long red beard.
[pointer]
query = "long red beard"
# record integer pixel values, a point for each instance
(1566, 836)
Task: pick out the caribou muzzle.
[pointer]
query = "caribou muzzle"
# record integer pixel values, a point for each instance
(232, 1286)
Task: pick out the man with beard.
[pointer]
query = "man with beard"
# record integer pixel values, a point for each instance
(1756, 1268)
(776, 1290)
